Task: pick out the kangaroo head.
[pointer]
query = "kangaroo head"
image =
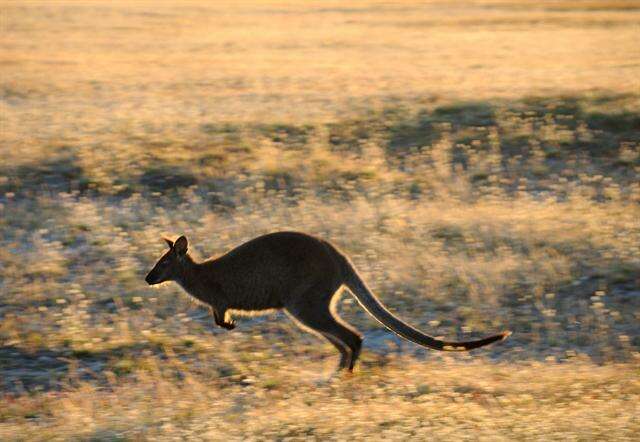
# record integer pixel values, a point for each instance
(170, 264)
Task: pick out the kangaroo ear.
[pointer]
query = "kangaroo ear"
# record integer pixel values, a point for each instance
(169, 242)
(180, 245)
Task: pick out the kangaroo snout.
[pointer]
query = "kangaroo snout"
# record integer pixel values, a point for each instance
(150, 279)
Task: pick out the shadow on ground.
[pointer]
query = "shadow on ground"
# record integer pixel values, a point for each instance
(576, 133)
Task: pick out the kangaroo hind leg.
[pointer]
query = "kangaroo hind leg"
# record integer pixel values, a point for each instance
(223, 319)
(314, 314)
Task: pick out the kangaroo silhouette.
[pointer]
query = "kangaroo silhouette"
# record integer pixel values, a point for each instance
(295, 272)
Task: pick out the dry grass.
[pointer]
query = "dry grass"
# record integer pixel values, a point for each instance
(449, 401)
(479, 161)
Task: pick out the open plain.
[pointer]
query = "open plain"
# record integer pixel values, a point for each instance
(478, 160)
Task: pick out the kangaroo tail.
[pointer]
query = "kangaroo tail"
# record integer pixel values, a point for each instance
(375, 308)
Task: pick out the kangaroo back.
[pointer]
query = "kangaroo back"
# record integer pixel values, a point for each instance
(375, 308)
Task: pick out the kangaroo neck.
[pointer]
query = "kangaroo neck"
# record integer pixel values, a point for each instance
(188, 276)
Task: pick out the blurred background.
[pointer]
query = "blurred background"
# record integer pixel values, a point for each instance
(478, 160)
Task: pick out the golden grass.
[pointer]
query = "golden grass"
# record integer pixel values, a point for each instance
(442, 402)
(270, 62)
(479, 161)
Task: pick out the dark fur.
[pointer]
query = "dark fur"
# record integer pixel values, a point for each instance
(291, 271)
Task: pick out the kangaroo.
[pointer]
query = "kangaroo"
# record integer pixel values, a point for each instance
(295, 272)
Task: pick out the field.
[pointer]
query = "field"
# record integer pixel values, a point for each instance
(479, 161)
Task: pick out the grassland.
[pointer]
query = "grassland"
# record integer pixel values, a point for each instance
(479, 161)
